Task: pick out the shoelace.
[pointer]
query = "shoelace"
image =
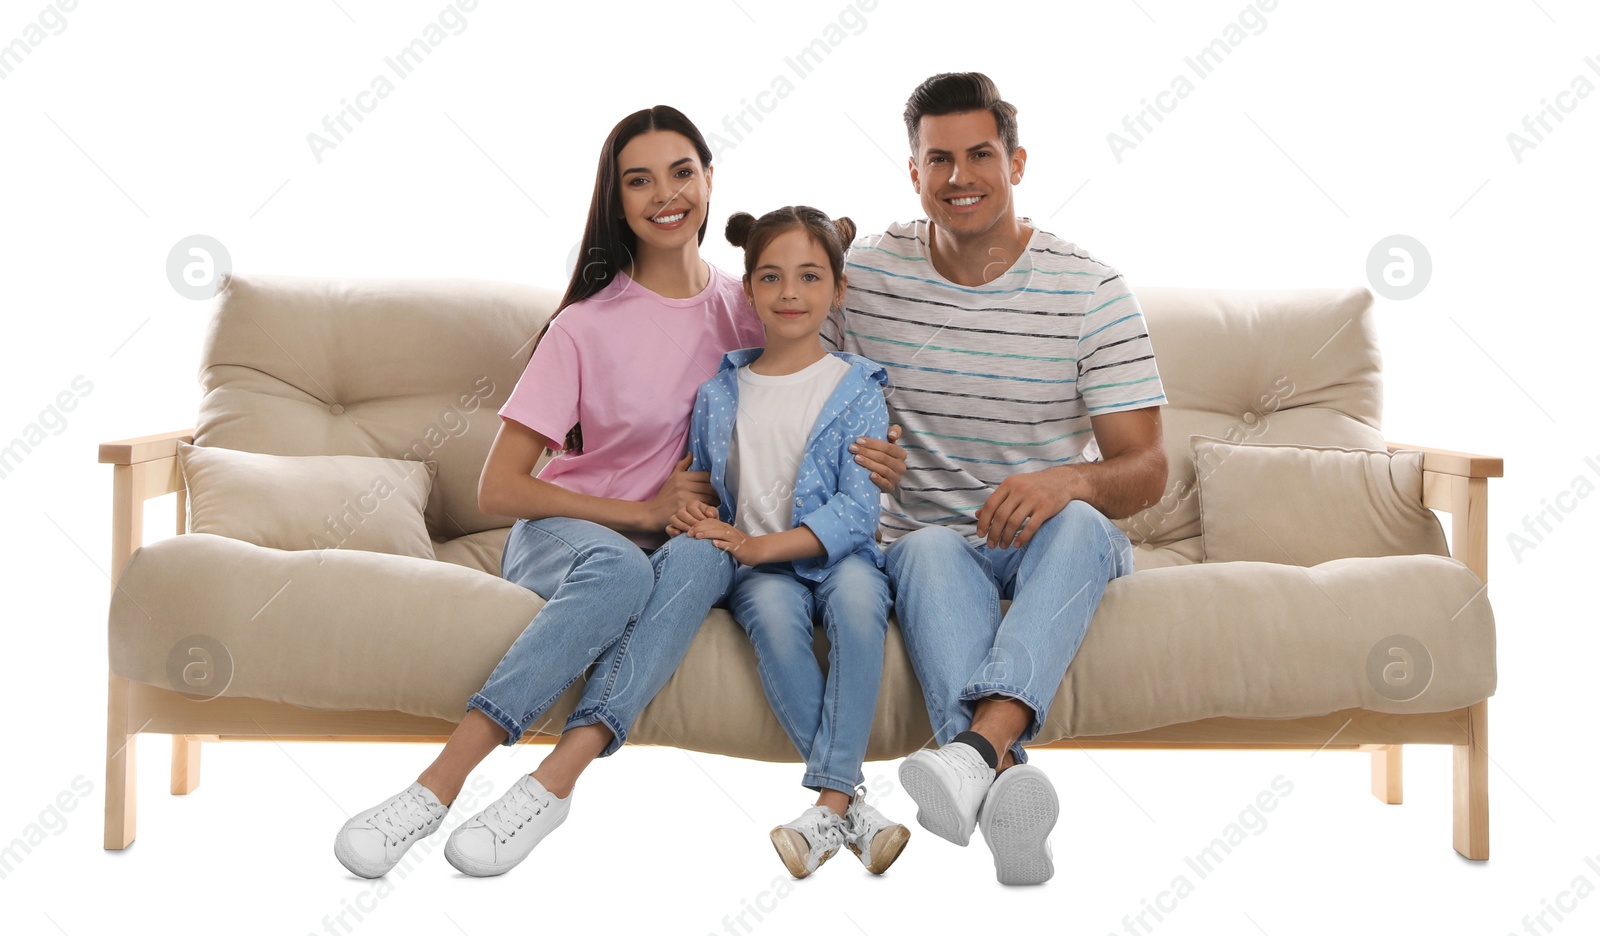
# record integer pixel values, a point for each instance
(397, 826)
(856, 818)
(829, 834)
(505, 817)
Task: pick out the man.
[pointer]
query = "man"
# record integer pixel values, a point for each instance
(1009, 350)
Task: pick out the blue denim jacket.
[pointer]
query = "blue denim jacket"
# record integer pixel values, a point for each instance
(833, 495)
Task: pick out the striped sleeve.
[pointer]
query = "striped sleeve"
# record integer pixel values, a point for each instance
(1116, 363)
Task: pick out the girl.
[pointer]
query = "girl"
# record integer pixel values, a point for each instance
(774, 428)
(644, 319)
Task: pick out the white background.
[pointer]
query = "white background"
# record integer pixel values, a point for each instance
(1335, 126)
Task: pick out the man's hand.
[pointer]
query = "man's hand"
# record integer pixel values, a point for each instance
(886, 460)
(1021, 504)
(682, 488)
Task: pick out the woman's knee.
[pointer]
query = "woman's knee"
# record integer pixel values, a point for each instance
(694, 559)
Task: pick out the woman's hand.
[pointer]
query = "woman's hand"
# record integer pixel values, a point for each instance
(886, 460)
(682, 488)
(684, 520)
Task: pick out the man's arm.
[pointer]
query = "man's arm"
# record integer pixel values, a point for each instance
(1131, 476)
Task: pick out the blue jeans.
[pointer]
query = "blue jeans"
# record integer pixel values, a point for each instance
(947, 597)
(827, 719)
(608, 603)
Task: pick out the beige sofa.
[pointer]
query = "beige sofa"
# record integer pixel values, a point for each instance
(215, 638)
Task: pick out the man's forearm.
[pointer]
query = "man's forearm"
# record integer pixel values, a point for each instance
(1118, 487)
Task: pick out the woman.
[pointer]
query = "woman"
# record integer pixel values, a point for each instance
(644, 320)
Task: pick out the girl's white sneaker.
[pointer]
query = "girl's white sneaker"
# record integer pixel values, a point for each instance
(809, 841)
(871, 835)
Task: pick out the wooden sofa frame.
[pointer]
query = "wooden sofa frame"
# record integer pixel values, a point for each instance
(147, 467)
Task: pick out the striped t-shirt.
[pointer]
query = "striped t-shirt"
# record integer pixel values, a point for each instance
(993, 380)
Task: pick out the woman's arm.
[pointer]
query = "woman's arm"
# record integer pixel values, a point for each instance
(507, 488)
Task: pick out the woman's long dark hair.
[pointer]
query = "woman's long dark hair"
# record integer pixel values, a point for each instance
(609, 244)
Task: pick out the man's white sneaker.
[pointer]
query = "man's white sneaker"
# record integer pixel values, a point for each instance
(1017, 817)
(374, 841)
(948, 786)
(871, 836)
(497, 839)
(810, 840)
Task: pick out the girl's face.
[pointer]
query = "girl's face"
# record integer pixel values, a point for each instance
(792, 286)
(664, 189)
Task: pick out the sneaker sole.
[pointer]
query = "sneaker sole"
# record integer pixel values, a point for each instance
(1017, 829)
(792, 857)
(936, 808)
(893, 845)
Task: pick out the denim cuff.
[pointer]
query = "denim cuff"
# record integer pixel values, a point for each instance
(597, 716)
(498, 716)
(820, 782)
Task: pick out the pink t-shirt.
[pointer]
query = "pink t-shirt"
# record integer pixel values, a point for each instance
(625, 363)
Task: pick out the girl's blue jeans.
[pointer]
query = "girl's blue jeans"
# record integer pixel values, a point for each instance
(827, 718)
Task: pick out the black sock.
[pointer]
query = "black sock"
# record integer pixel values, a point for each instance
(981, 745)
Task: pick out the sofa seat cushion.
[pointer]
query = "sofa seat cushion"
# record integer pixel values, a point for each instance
(372, 632)
(1265, 640)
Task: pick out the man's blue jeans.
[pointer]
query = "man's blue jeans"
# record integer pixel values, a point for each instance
(633, 615)
(827, 719)
(947, 598)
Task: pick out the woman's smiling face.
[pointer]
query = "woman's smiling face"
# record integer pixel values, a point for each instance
(664, 189)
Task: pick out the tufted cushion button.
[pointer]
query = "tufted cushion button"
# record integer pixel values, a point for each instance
(336, 409)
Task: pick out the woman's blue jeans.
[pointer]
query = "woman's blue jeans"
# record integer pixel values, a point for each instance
(828, 719)
(609, 603)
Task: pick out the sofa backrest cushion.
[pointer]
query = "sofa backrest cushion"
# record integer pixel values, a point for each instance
(1299, 366)
(395, 368)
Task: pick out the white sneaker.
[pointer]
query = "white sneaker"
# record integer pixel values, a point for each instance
(374, 841)
(810, 840)
(497, 839)
(948, 786)
(1017, 817)
(871, 836)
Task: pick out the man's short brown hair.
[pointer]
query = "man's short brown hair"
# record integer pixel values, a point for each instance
(958, 93)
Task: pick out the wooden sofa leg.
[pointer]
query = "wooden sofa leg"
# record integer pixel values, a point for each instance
(185, 764)
(121, 773)
(1387, 774)
(1472, 786)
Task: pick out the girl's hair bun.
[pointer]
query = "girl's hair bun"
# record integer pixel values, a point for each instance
(738, 231)
(847, 231)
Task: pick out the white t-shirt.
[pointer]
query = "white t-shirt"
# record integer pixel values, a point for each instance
(775, 419)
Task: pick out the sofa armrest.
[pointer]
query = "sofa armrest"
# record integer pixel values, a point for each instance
(144, 467)
(1458, 483)
(1458, 464)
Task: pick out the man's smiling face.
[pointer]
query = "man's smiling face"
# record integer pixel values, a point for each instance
(963, 174)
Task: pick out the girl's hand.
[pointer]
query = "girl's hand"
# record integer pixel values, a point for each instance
(682, 488)
(684, 520)
(740, 545)
(885, 460)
